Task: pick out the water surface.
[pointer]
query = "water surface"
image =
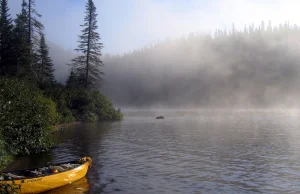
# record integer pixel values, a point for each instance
(187, 152)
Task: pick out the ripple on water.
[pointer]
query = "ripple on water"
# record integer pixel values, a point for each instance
(205, 152)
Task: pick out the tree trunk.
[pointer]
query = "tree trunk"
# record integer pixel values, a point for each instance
(88, 53)
(29, 22)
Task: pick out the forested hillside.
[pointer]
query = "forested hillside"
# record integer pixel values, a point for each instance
(256, 67)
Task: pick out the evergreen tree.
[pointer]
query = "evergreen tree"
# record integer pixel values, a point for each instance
(21, 46)
(6, 47)
(88, 64)
(44, 65)
(35, 28)
(72, 80)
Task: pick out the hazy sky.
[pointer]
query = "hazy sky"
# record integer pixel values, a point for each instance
(125, 25)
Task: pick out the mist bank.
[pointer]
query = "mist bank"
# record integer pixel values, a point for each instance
(61, 58)
(256, 67)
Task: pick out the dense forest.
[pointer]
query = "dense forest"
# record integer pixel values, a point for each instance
(32, 101)
(258, 66)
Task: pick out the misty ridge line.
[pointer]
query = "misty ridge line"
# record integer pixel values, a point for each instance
(254, 67)
(63, 56)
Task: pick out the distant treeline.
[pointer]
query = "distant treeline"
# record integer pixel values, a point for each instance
(32, 102)
(257, 66)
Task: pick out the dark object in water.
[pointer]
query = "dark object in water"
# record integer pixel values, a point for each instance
(112, 180)
(160, 117)
(53, 147)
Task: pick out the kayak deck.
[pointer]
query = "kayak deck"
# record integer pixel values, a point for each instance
(46, 178)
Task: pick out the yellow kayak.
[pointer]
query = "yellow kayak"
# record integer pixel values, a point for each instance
(47, 178)
(79, 187)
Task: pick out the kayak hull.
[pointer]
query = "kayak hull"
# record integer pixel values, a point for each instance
(48, 182)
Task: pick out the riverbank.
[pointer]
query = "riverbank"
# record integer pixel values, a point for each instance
(65, 126)
(30, 109)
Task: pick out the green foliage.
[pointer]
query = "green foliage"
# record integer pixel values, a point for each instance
(35, 27)
(44, 65)
(87, 65)
(31, 102)
(29, 45)
(101, 105)
(5, 157)
(26, 117)
(91, 106)
(21, 46)
(118, 115)
(90, 117)
(65, 114)
(58, 94)
(84, 105)
(76, 101)
(73, 80)
(6, 46)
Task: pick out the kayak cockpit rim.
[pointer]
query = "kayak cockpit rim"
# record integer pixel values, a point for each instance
(45, 175)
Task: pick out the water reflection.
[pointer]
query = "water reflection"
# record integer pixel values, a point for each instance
(205, 151)
(78, 187)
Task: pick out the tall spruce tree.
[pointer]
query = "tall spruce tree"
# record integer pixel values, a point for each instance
(21, 46)
(44, 65)
(87, 66)
(6, 43)
(35, 28)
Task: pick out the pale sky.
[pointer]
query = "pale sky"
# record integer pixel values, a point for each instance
(125, 25)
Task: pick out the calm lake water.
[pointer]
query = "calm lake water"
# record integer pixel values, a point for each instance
(187, 152)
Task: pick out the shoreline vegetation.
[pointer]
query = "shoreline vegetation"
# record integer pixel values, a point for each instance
(64, 126)
(32, 103)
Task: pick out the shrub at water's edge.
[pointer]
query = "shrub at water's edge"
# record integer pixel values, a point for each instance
(28, 114)
(5, 157)
(79, 104)
(58, 94)
(26, 117)
(91, 106)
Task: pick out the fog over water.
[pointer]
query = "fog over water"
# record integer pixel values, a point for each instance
(229, 94)
(246, 64)
(175, 57)
(205, 151)
(257, 67)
